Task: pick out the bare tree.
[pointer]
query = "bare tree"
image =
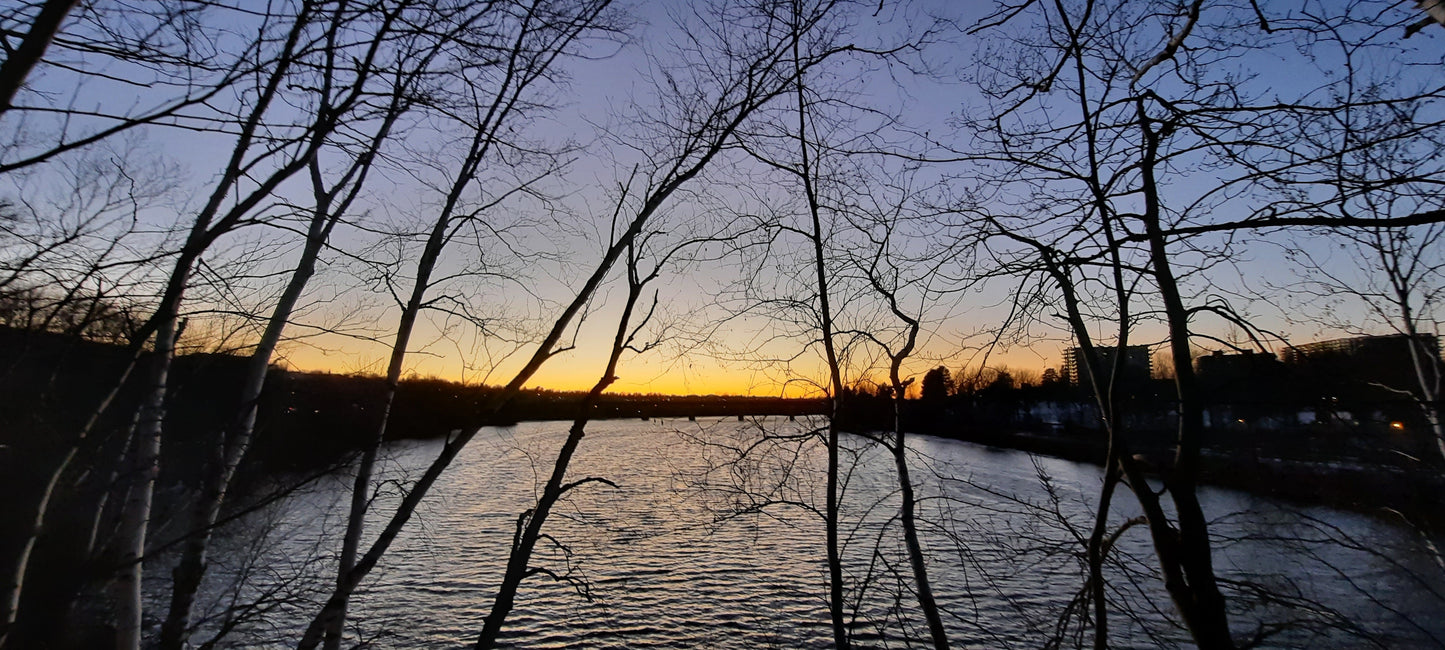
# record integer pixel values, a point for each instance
(167, 56)
(21, 59)
(1103, 379)
(71, 257)
(630, 325)
(531, 36)
(1138, 99)
(407, 77)
(1098, 153)
(262, 158)
(882, 269)
(808, 176)
(798, 154)
(743, 63)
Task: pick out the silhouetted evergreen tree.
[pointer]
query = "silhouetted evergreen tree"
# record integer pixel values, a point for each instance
(937, 386)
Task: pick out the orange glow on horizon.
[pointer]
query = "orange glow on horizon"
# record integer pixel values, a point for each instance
(578, 370)
(551, 377)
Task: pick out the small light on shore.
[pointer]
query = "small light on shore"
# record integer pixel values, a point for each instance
(1398, 426)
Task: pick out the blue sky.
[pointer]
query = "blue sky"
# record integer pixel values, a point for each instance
(756, 353)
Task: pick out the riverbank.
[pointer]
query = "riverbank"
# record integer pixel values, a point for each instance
(310, 420)
(1392, 490)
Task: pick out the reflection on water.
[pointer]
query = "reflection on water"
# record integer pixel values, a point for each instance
(692, 550)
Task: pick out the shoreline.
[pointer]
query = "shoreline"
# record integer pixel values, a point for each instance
(1416, 496)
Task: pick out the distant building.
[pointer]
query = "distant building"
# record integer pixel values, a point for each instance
(1245, 388)
(1221, 367)
(1355, 364)
(1388, 349)
(1137, 364)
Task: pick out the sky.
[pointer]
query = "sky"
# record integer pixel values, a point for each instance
(702, 347)
(597, 91)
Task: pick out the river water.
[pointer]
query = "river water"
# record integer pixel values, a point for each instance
(710, 539)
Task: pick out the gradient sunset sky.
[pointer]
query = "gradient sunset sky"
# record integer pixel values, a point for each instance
(748, 355)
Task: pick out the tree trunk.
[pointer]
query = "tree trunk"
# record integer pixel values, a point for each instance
(926, 601)
(529, 530)
(145, 464)
(231, 448)
(909, 503)
(361, 487)
(32, 48)
(1161, 531)
(835, 381)
(17, 569)
(1199, 599)
(525, 541)
(10, 598)
(1423, 360)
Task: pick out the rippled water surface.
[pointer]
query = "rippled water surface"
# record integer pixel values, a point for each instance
(691, 551)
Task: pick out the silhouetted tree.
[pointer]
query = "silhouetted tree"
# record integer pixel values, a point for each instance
(937, 386)
(1112, 105)
(1051, 377)
(20, 59)
(397, 93)
(318, 41)
(700, 115)
(489, 93)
